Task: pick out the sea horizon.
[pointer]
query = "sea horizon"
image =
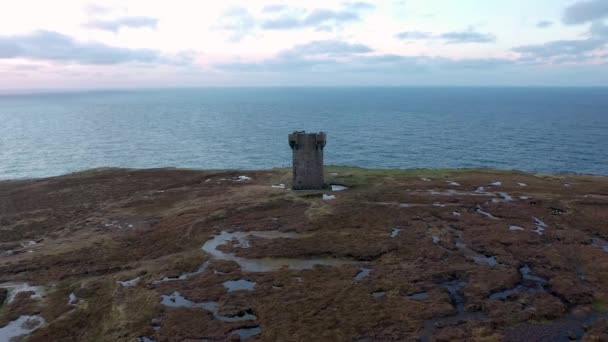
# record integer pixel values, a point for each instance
(530, 129)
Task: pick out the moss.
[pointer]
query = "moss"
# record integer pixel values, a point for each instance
(600, 305)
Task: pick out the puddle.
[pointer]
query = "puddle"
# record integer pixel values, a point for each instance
(516, 228)
(418, 296)
(328, 197)
(246, 333)
(15, 288)
(601, 243)
(453, 183)
(278, 186)
(337, 187)
(145, 339)
(378, 294)
(184, 276)
(506, 196)
(496, 184)
(540, 226)
(28, 244)
(72, 299)
(431, 325)
(363, 272)
(486, 214)
(130, 282)
(239, 285)
(476, 257)
(530, 283)
(395, 232)
(264, 264)
(522, 184)
(176, 300)
(455, 193)
(24, 325)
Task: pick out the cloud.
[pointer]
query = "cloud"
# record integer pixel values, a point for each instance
(585, 11)
(53, 46)
(414, 35)
(544, 24)
(115, 25)
(560, 50)
(238, 21)
(457, 37)
(325, 47)
(341, 57)
(95, 9)
(274, 8)
(314, 18)
(283, 17)
(599, 30)
(468, 37)
(358, 6)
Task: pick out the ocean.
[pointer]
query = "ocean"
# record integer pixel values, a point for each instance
(553, 130)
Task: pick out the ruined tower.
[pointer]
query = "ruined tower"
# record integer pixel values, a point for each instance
(307, 159)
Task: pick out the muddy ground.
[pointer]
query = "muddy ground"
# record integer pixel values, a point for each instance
(400, 256)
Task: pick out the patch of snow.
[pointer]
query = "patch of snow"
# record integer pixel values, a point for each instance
(328, 197)
(425, 179)
(481, 189)
(435, 238)
(24, 325)
(522, 184)
(453, 183)
(486, 214)
(455, 213)
(279, 186)
(524, 197)
(15, 288)
(496, 184)
(130, 282)
(72, 299)
(336, 187)
(567, 185)
(515, 228)
(540, 226)
(395, 232)
(244, 178)
(333, 174)
(438, 205)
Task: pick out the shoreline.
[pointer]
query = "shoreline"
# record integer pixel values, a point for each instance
(327, 169)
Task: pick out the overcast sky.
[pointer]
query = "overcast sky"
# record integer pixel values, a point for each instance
(144, 43)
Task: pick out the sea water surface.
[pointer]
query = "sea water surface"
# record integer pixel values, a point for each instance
(530, 129)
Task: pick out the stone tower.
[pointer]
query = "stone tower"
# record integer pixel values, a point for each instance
(307, 159)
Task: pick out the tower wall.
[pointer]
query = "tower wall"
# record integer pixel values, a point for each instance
(307, 160)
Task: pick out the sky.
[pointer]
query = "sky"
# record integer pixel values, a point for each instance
(83, 44)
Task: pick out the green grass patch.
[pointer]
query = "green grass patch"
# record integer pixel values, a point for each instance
(600, 305)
